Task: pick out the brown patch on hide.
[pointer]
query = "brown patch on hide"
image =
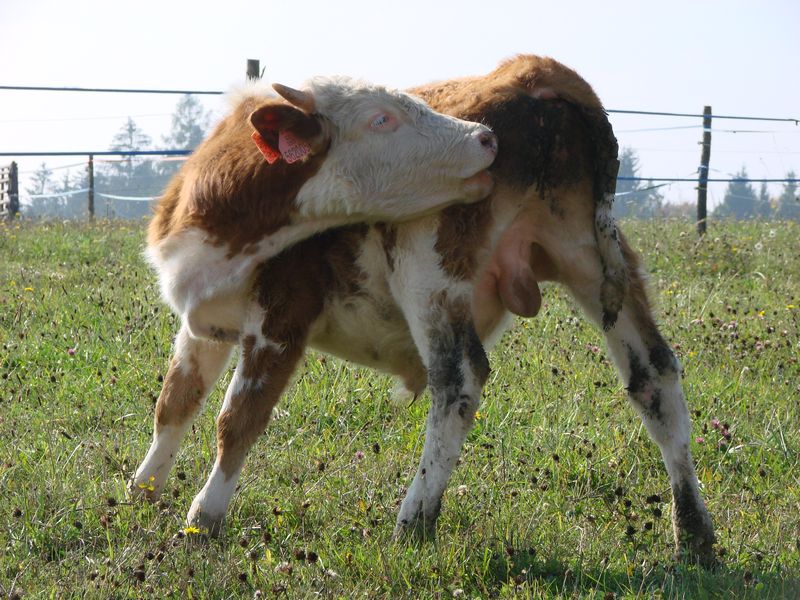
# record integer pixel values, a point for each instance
(181, 394)
(546, 142)
(462, 233)
(267, 372)
(388, 234)
(523, 73)
(292, 289)
(228, 189)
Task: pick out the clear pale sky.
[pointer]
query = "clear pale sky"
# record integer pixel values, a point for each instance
(740, 57)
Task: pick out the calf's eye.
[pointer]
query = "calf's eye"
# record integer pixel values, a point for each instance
(382, 122)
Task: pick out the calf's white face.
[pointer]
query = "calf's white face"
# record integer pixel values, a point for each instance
(390, 156)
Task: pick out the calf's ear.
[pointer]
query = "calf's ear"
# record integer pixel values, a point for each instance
(283, 131)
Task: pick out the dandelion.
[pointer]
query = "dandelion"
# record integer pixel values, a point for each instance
(191, 530)
(149, 485)
(791, 306)
(478, 415)
(28, 289)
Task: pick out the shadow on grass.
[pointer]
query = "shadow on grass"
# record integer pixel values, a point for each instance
(521, 569)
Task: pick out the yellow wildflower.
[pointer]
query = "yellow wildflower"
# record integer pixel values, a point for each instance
(148, 486)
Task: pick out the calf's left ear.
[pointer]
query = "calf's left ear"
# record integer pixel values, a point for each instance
(286, 132)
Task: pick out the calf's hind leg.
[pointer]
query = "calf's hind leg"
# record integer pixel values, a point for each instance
(195, 367)
(651, 374)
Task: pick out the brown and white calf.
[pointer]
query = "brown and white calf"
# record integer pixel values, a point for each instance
(275, 171)
(420, 299)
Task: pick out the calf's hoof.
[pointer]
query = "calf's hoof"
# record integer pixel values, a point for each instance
(697, 548)
(695, 539)
(416, 529)
(200, 522)
(143, 489)
(691, 524)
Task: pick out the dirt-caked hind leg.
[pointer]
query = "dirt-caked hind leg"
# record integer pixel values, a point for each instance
(651, 375)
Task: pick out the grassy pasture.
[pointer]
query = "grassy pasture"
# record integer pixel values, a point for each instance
(560, 493)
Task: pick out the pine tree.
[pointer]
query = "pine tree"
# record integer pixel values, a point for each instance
(131, 176)
(41, 180)
(789, 200)
(764, 204)
(740, 200)
(41, 207)
(635, 199)
(189, 124)
(129, 139)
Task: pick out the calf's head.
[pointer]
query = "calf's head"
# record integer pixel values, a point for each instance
(388, 156)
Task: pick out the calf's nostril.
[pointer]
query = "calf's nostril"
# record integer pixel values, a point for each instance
(488, 140)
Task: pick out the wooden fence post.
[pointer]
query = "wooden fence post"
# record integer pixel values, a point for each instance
(253, 69)
(702, 182)
(13, 191)
(90, 169)
(9, 191)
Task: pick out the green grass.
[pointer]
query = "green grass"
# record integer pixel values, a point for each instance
(550, 500)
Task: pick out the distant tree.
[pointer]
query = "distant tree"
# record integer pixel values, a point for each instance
(764, 202)
(635, 199)
(41, 180)
(41, 184)
(789, 200)
(71, 205)
(189, 125)
(129, 139)
(131, 177)
(740, 201)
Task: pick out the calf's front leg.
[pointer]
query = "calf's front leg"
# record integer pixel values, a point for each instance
(195, 367)
(457, 369)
